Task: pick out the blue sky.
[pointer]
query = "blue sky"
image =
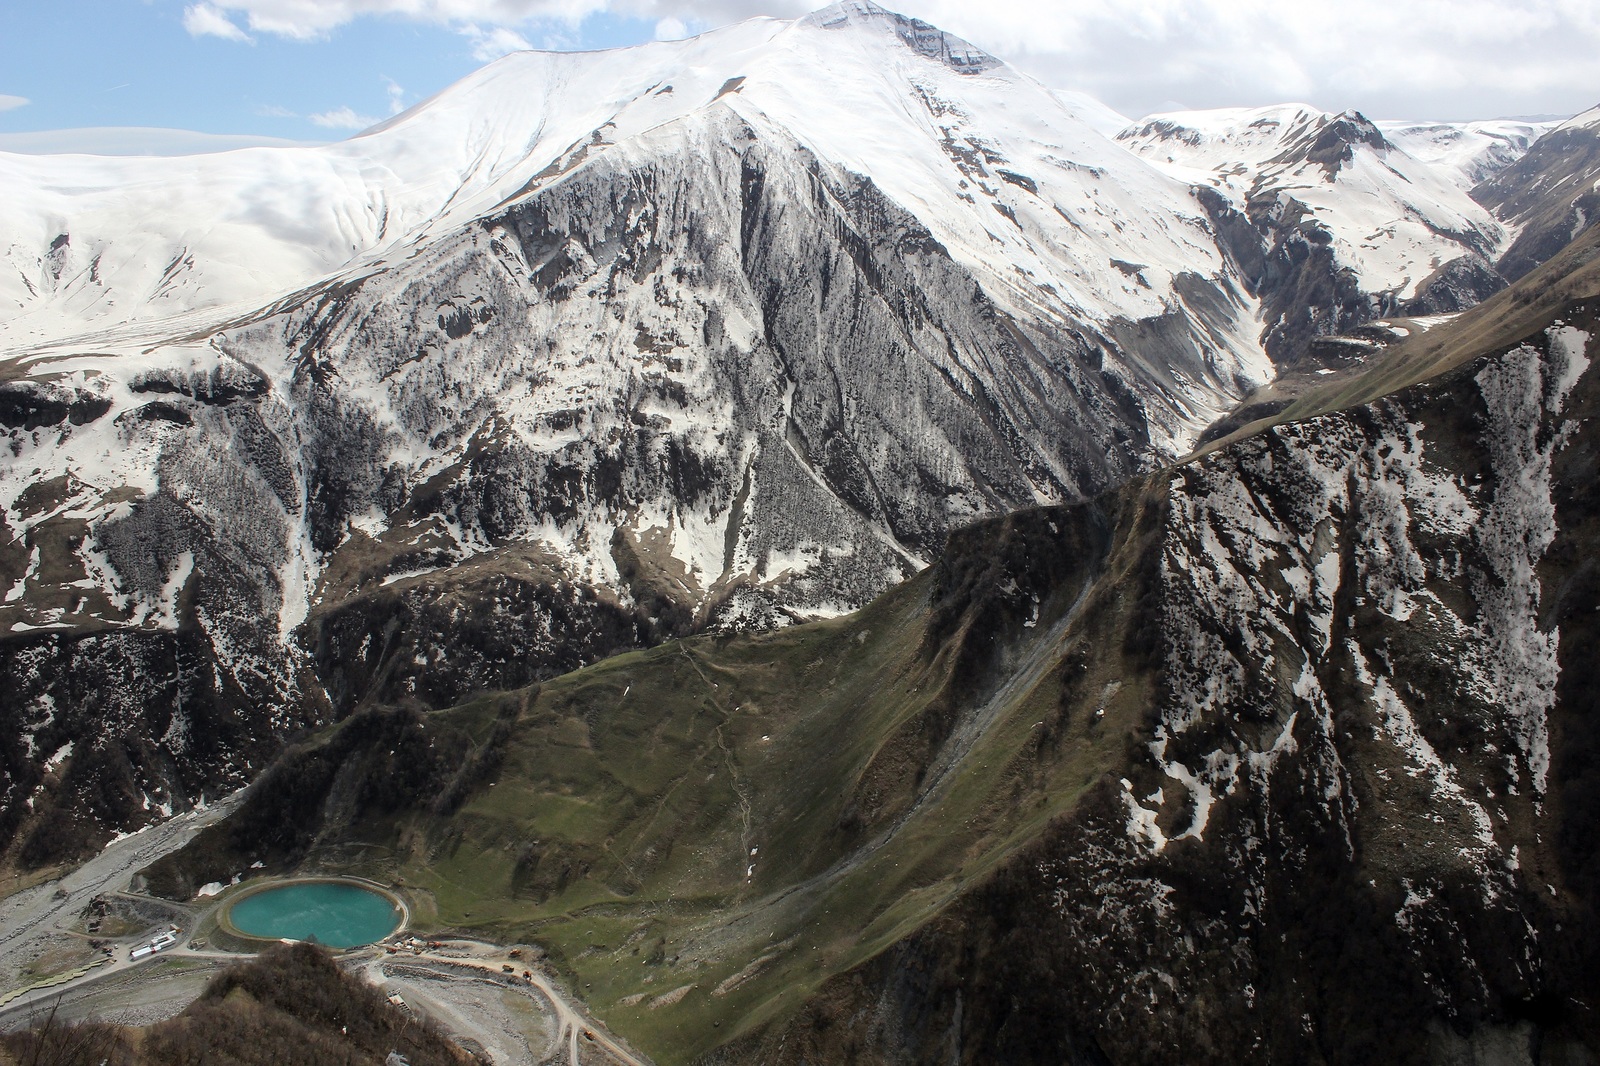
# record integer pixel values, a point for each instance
(92, 63)
(317, 69)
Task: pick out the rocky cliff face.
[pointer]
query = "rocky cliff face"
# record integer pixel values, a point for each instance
(1349, 828)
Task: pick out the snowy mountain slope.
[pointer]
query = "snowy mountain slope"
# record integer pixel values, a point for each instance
(1101, 118)
(1549, 196)
(993, 164)
(722, 332)
(1469, 152)
(94, 242)
(1332, 223)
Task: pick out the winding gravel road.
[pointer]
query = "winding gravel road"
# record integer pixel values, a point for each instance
(41, 918)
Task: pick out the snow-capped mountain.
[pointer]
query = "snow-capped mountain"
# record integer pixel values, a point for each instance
(1331, 223)
(1469, 152)
(1277, 753)
(1549, 196)
(95, 243)
(585, 351)
(590, 350)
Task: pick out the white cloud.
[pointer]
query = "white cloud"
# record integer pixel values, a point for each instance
(11, 103)
(276, 111)
(343, 118)
(311, 19)
(396, 94)
(489, 45)
(561, 40)
(204, 20)
(1432, 58)
(671, 29)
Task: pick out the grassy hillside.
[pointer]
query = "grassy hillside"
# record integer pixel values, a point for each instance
(705, 832)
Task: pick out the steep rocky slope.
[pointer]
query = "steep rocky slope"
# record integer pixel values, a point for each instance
(1352, 833)
(1331, 224)
(1549, 196)
(1280, 755)
(725, 332)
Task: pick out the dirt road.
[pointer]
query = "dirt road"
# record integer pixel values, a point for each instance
(44, 918)
(573, 1025)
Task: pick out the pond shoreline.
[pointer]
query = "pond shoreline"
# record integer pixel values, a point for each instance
(229, 932)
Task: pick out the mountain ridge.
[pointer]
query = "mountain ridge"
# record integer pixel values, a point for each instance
(697, 370)
(730, 358)
(1534, 196)
(1331, 224)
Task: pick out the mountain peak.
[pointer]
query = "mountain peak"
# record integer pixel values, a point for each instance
(921, 37)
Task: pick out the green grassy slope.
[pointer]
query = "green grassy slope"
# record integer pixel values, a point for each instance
(703, 833)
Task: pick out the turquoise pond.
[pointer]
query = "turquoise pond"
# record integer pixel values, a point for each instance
(337, 914)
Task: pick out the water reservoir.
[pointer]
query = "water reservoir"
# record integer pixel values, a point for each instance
(338, 914)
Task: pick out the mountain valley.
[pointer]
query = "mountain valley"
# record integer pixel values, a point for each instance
(1097, 759)
(854, 556)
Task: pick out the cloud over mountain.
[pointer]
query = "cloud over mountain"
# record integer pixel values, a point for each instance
(1443, 59)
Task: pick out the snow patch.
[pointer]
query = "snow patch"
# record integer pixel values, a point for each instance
(1520, 666)
(1142, 827)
